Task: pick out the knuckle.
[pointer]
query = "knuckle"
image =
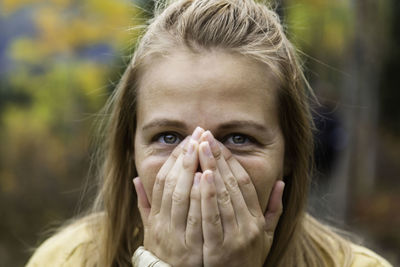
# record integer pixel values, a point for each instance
(212, 165)
(170, 182)
(210, 194)
(230, 217)
(187, 163)
(224, 198)
(195, 195)
(244, 180)
(157, 226)
(176, 152)
(157, 237)
(217, 154)
(157, 231)
(231, 183)
(226, 153)
(213, 168)
(160, 179)
(193, 220)
(184, 150)
(253, 232)
(261, 224)
(240, 244)
(214, 219)
(177, 197)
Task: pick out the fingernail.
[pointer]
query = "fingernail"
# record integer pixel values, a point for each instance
(197, 133)
(190, 147)
(209, 176)
(206, 149)
(197, 178)
(210, 138)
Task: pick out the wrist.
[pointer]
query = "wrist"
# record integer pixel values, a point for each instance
(144, 258)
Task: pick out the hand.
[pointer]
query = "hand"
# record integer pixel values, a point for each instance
(172, 224)
(235, 231)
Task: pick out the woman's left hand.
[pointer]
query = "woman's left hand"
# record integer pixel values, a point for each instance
(235, 230)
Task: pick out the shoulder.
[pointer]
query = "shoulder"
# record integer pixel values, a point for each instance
(65, 248)
(334, 246)
(363, 257)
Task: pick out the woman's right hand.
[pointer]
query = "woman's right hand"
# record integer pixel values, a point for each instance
(172, 224)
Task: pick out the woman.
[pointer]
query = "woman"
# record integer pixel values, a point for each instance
(212, 118)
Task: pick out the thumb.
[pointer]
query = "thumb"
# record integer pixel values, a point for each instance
(275, 207)
(143, 202)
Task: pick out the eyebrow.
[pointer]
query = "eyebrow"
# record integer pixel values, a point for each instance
(242, 124)
(164, 123)
(234, 124)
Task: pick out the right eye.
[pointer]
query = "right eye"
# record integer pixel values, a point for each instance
(169, 138)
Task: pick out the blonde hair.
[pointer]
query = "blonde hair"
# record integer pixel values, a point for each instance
(242, 27)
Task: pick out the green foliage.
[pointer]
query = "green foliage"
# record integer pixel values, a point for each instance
(321, 29)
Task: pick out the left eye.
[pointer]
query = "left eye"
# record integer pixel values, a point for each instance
(169, 138)
(238, 139)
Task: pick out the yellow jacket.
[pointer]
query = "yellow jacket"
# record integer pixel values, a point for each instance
(67, 249)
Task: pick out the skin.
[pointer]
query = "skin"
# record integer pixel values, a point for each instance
(215, 199)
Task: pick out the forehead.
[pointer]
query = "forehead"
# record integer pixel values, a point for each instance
(196, 86)
(214, 67)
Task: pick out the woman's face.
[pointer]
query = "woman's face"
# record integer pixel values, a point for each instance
(233, 97)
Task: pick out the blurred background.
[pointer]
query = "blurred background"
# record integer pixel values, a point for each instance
(60, 60)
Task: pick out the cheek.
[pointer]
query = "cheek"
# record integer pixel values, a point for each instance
(147, 170)
(264, 174)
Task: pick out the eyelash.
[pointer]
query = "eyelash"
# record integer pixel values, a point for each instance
(248, 139)
(158, 137)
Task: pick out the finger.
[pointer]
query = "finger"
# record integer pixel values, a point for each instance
(208, 160)
(143, 202)
(158, 187)
(274, 208)
(180, 196)
(238, 203)
(169, 187)
(230, 166)
(197, 133)
(194, 233)
(210, 217)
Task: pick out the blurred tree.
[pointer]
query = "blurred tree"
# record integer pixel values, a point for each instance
(57, 75)
(355, 39)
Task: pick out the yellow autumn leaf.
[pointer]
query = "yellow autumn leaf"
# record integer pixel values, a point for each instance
(26, 50)
(11, 6)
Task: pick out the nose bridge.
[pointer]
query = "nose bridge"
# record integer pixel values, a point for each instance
(202, 114)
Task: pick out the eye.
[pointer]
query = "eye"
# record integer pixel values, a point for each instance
(169, 138)
(238, 139)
